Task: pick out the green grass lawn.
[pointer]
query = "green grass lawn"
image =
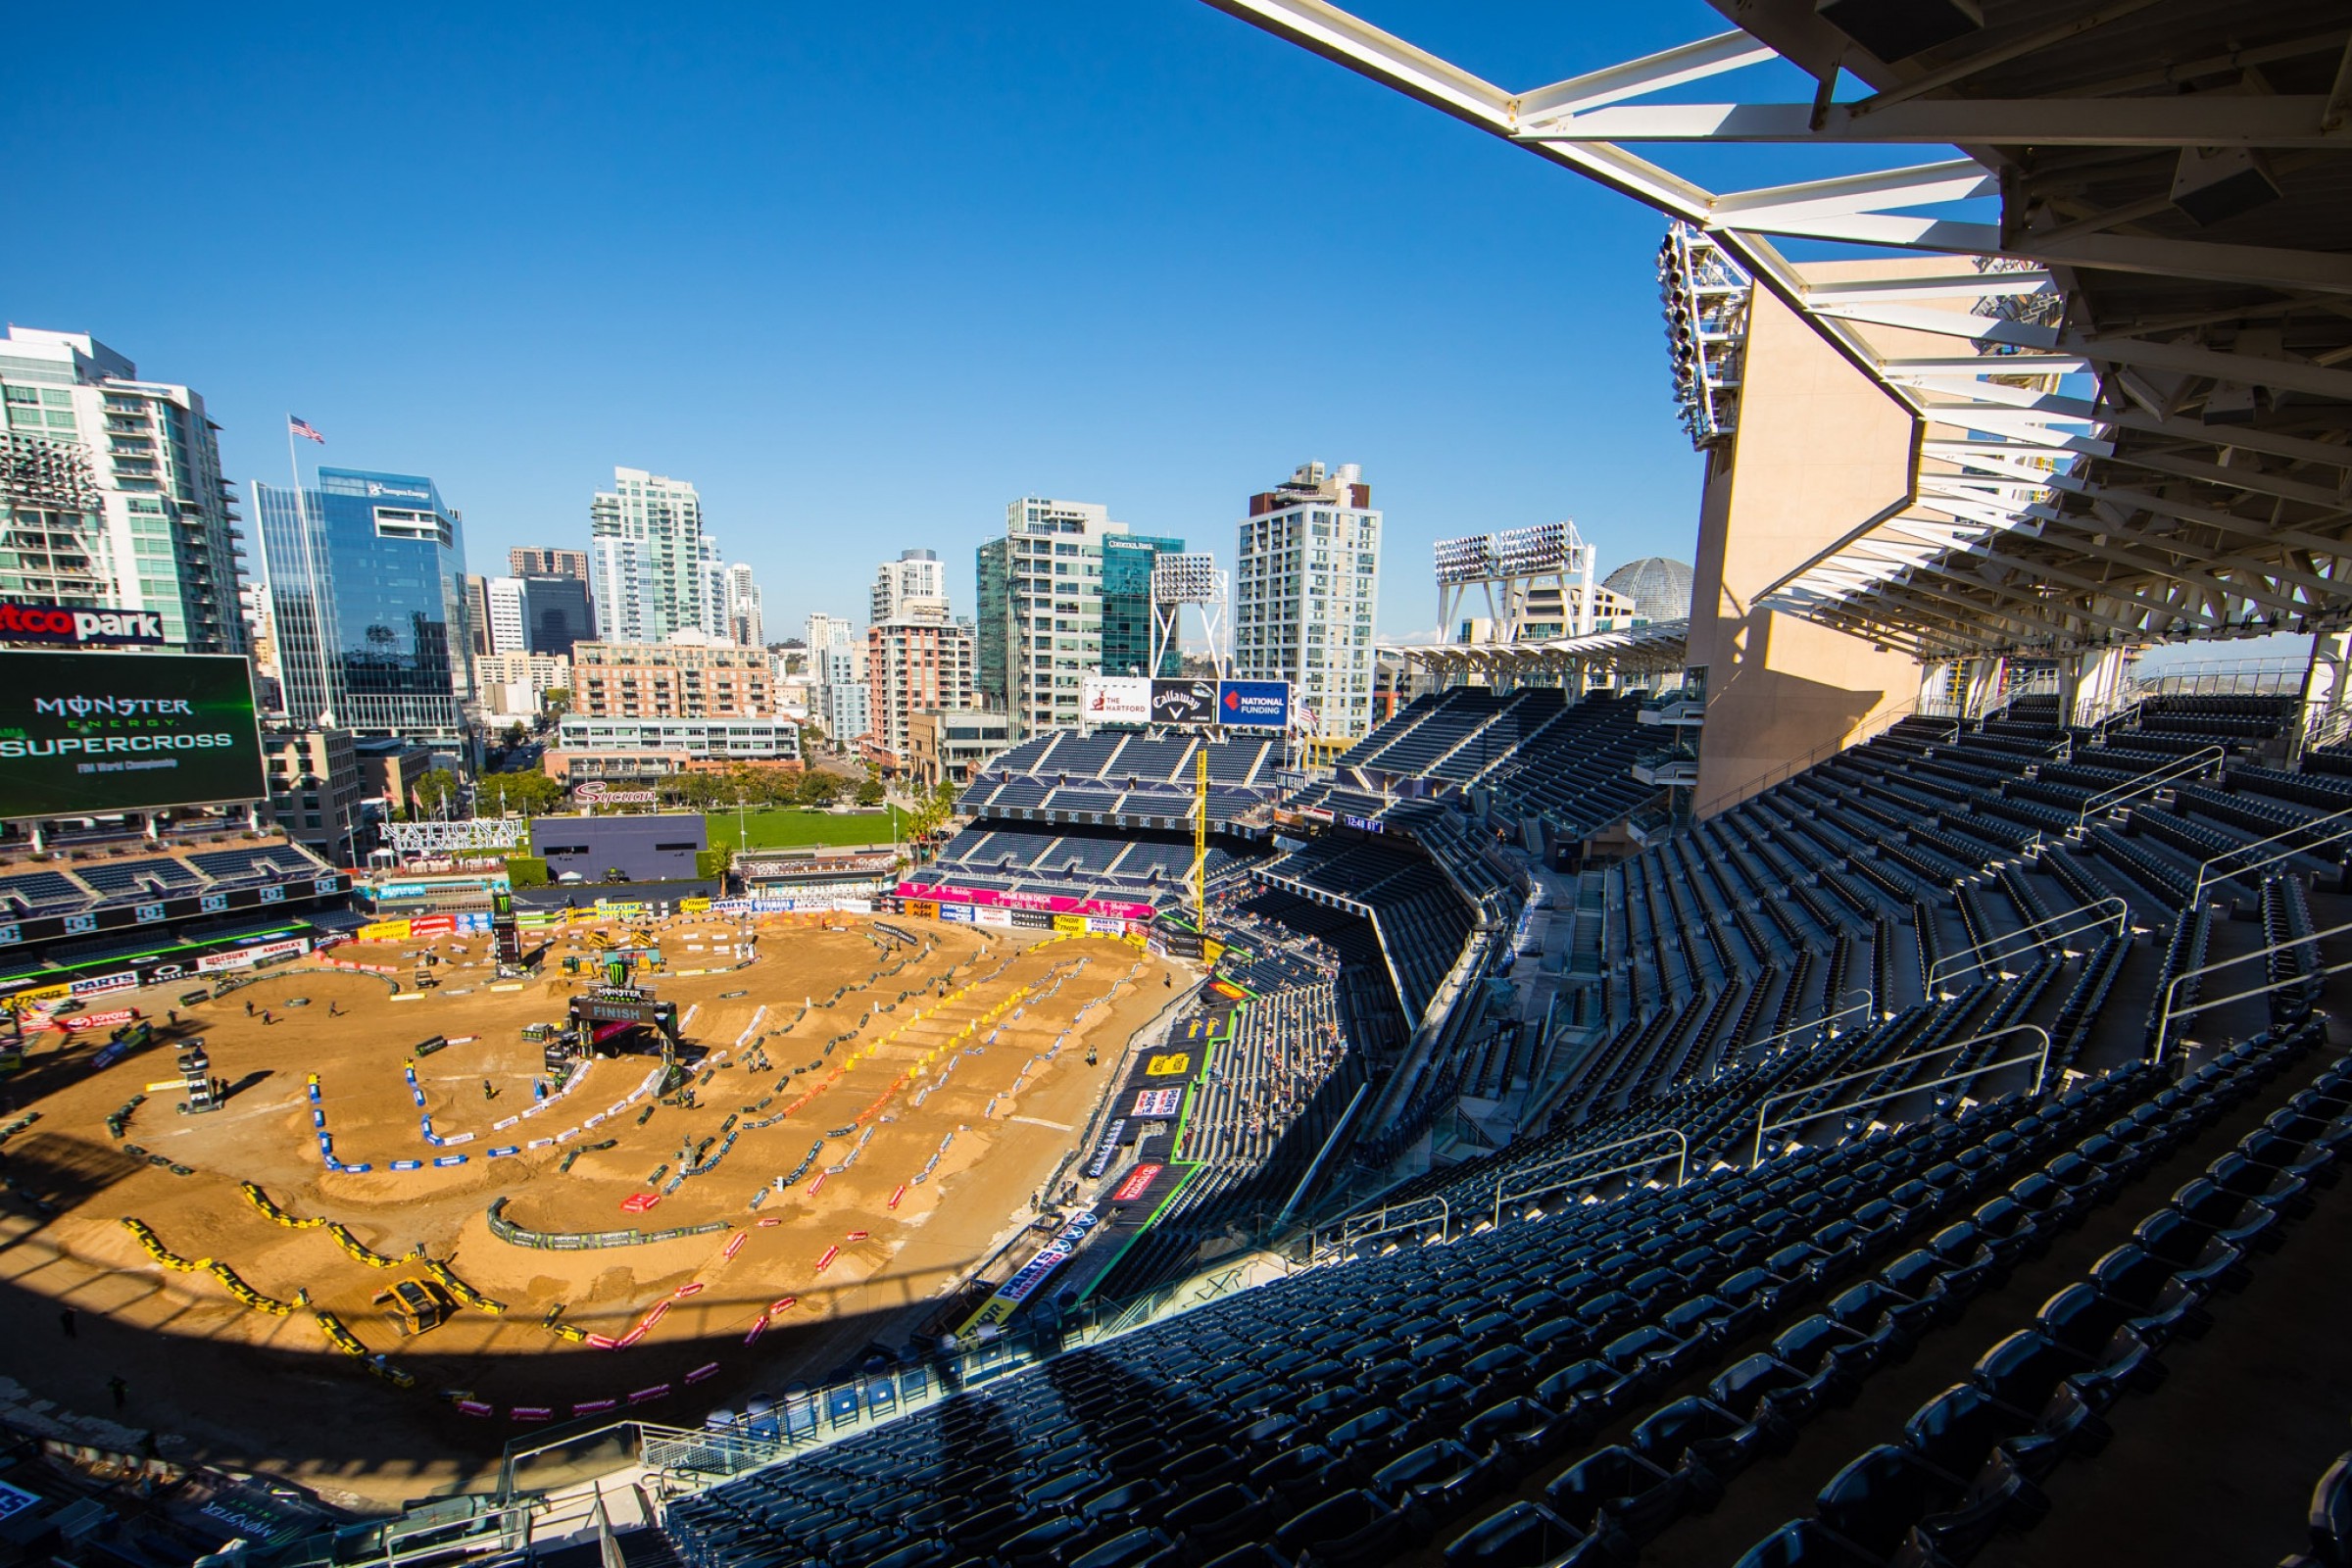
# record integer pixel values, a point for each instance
(796, 829)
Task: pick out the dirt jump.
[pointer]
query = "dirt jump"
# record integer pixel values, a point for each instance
(413, 1229)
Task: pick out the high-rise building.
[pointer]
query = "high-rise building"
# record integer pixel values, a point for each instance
(504, 612)
(1305, 592)
(745, 628)
(829, 631)
(556, 613)
(652, 568)
(366, 578)
(917, 661)
(915, 576)
(1039, 627)
(844, 704)
(1127, 605)
(477, 615)
(113, 491)
(543, 561)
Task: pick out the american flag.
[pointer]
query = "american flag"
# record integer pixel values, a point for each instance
(302, 427)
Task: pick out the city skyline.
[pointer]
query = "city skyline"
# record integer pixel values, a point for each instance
(850, 391)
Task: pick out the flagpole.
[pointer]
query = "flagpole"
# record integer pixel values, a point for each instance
(323, 720)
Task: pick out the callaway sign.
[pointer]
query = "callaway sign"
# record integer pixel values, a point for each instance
(55, 623)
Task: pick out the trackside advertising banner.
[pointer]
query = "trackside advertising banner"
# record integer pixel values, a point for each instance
(998, 1308)
(1042, 902)
(247, 958)
(83, 733)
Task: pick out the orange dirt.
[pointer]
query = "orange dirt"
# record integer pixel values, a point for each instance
(246, 1386)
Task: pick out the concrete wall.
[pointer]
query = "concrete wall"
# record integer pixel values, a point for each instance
(1820, 451)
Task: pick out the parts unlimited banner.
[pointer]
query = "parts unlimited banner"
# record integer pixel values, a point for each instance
(87, 733)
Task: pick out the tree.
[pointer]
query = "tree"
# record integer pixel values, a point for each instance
(531, 794)
(817, 789)
(437, 791)
(516, 733)
(869, 792)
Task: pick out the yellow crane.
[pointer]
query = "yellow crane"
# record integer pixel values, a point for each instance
(1200, 873)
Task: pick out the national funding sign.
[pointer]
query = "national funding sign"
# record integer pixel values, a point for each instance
(83, 734)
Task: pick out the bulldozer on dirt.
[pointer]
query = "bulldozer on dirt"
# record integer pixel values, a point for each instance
(416, 1305)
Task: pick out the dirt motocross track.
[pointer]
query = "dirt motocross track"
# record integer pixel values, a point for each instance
(917, 1143)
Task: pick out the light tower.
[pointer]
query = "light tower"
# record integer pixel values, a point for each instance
(1517, 561)
(1178, 580)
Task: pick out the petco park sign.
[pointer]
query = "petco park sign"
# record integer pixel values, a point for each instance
(55, 623)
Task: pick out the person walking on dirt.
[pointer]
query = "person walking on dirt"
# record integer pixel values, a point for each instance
(266, 1018)
(1089, 1056)
(248, 1007)
(488, 1093)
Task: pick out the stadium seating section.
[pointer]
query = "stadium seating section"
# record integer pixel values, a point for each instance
(1799, 1128)
(77, 886)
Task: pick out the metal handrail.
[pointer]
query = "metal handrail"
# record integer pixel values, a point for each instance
(1867, 1004)
(2206, 874)
(1352, 1228)
(2150, 783)
(1681, 1170)
(2123, 916)
(2164, 1021)
(2320, 973)
(1764, 1107)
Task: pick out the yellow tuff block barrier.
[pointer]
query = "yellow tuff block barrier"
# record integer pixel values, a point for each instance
(357, 1249)
(159, 1251)
(463, 1290)
(261, 1201)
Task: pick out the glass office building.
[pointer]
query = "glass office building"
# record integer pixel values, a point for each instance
(1127, 605)
(366, 576)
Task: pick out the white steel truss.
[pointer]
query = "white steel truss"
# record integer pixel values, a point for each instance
(2130, 396)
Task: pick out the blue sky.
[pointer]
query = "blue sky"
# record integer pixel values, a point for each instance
(863, 274)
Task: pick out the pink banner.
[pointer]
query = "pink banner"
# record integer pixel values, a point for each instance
(1050, 902)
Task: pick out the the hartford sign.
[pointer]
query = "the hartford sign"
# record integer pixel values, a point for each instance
(56, 623)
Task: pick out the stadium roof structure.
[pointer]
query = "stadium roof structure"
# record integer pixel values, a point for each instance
(1641, 650)
(2117, 303)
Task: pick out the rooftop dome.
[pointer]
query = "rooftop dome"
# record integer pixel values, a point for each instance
(1661, 589)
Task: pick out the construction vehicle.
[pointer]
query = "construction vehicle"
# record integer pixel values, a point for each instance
(414, 1305)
